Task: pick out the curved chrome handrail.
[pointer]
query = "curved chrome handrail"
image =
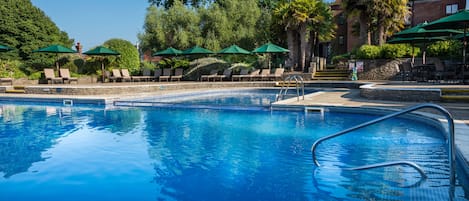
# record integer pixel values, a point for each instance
(450, 137)
(290, 78)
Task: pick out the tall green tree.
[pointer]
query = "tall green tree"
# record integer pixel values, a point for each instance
(362, 8)
(168, 3)
(176, 27)
(26, 28)
(128, 58)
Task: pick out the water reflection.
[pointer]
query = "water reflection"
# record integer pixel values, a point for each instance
(25, 132)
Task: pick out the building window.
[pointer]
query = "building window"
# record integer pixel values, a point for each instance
(341, 40)
(342, 19)
(451, 9)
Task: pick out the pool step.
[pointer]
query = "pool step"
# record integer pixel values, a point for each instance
(331, 75)
(16, 90)
(455, 95)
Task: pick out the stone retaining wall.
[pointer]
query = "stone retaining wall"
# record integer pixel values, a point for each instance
(380, 69)
(400, 94)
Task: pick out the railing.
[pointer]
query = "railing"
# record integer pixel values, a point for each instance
(299, 84)
(450, 137)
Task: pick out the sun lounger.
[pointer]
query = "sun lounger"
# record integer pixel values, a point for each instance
(226, 75)
(126, 75)
(242, 73)
(146, 75)
(212, 74)
(177, 74)
(50, 76)
(65, 75)
(262, 75)
(116, 75)
(166, 75)
(278, 73)
(6, 80)
(251, 75)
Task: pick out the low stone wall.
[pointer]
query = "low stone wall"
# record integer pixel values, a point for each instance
(380, 69)
(400, 94)
(117, 89)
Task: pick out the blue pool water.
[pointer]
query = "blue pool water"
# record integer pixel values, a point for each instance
(83, 153)
(223, 98)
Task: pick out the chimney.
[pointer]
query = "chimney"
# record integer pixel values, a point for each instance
(79, 48)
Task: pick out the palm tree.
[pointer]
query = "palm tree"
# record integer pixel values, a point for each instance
(390, 16)
(303, 20)
(364, 9)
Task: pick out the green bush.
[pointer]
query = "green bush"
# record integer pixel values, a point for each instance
(35, 76)
(11, 69)
(340, 58)
(445, 49)
(368, 52)
(392, 51)
(128, 58)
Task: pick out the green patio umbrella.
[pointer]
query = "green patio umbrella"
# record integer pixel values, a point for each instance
(459, 20)
(234, 49)
(196, 50)
(101, 51)
(419, 33)
(55, 49)
(416, 40)
(168, 52)
(270, 48)
(4, 48)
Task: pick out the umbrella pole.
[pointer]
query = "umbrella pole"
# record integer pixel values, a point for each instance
(464, 53)
(102, 71)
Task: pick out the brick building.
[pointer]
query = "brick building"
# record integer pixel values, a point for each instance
(421, 11)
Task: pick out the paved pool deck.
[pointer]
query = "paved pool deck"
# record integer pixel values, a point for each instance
(327, 97)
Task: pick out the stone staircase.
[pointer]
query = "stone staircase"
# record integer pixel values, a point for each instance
(15, 90)
(455, 95)
(331, 74)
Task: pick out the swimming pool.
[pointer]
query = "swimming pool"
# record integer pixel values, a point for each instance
(84, 153)
(237, 99)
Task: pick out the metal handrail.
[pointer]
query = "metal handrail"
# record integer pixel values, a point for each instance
(284, 89)
(450, 137)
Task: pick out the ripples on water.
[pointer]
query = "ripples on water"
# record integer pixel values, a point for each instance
(57, 153)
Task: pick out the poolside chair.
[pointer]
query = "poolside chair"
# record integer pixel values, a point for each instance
(251, 75)
(226, 75)
(177, 74)
(65, 75)
(242, 73)
(50, 76)
(212, 74)
(262, 75)
(126, 75)
(166, 75)
(278, 73)
(6, 80)
(116, 75)
(157, 74)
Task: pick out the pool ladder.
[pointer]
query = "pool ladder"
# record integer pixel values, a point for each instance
(450, 137)
(299, 84)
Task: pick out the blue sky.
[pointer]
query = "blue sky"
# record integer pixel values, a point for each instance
(93, 22)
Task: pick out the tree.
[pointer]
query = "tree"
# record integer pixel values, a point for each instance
(168, 3)
(128, 54)
(385, 16)
(176, 27)
(305, 21)
(26, 28)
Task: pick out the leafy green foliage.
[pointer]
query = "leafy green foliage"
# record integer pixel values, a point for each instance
(128, 58)
(173, 63)
(215, 26)
(25, 28)
(368, 52)
(11, 69)
(446, 49)
(392, 51)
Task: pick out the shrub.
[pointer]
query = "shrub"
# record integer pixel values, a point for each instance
(392, 51)
(11, 69)
(447, 48)
(128, 58)
(341, 58)
(173, 63)
(368, 52)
